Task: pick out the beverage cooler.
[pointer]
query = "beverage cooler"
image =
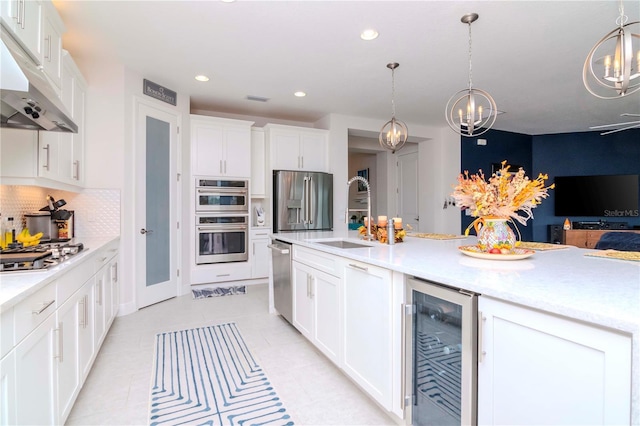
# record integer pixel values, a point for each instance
(441, 355)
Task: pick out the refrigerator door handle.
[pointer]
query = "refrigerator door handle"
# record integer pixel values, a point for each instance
(312, 207)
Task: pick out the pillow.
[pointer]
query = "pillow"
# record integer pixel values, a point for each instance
(624, 241)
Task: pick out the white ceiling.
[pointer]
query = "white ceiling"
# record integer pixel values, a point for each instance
(527, 54)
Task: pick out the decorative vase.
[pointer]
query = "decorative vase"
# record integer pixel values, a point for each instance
(494, 233)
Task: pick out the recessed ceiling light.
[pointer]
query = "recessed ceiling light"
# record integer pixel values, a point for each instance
(228, 1)
(300, 94)
(202, 78)
(369, 34)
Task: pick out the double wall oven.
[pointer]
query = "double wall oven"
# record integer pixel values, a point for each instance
(222, 220)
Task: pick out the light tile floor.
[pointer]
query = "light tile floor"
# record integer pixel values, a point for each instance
(312, 389)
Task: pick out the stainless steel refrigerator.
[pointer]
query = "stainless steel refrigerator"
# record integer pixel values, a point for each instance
(302, 201)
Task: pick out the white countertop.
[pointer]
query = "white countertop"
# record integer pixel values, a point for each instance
(17, 286)
(604, 292)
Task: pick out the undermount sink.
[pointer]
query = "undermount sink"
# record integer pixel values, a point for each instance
(343, 244)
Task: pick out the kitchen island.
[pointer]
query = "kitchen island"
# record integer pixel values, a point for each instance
(602, 293)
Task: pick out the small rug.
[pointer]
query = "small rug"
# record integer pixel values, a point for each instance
(218, 291)
(208, 376)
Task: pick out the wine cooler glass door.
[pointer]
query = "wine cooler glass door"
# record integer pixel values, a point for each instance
(442, 373)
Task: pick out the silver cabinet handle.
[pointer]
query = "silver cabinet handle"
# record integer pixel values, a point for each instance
(220, 167)
(76, 165)
(86, 310)
(481, 322)
(45, 305)
(60, 343)
(312, 283)
(278, 249)
(99, 290)
(82, 323)
(47, 148)
(362, 268)
(146, 231)
(114, 272)
(225, 167)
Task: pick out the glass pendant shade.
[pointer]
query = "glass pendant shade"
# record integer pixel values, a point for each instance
(612, 68)
(394, 133)
(471, 112)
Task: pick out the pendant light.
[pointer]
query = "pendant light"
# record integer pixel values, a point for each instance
(611, 63)
(470, 112)
(394, 133)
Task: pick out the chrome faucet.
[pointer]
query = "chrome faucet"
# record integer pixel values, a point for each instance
(369, 236)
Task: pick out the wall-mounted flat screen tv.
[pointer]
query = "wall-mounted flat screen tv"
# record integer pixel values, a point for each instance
(602, 196)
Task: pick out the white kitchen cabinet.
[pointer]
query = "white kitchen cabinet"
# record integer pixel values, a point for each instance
(539, 368)
(259, 253)
(24, 19)
(7, 387)
(367, 329)
(220, 272)
(258, 162)
(36, 375)
(51, 33)
(297, 148)
(68, 382)
(220, 147)
(86, 340)
(316, 282)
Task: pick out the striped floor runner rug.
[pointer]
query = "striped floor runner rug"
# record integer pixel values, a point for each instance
(208, 376)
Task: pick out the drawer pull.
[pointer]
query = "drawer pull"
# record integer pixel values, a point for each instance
(362, 268)
(223, 275)
(45, 305)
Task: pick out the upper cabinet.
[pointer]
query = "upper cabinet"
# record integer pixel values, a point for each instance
(37, 26)
(24, 19)
(220, 147)
(297, 148)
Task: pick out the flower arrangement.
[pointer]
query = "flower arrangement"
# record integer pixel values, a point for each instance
(503, 196)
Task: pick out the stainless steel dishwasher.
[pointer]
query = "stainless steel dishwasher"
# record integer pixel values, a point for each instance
(282, 291)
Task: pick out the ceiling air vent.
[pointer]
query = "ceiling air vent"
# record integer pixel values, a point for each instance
(257, 98)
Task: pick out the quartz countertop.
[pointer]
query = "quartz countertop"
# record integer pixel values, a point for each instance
(17, 286)
(600, 291)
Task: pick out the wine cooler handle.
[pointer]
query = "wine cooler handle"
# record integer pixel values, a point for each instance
(481, 323)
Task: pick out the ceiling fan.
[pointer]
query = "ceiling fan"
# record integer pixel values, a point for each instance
(627, 125)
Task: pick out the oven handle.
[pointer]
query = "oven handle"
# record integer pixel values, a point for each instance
(222, 227)
(225, 191)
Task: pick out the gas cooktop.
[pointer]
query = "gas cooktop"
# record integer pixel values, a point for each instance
(37, 258)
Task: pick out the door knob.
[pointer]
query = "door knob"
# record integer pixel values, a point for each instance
(146, 231)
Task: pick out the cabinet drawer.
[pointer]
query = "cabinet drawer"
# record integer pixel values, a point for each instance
(32, 311)
(322, 261)
(71, 282)
(221, 273)
(6, 332)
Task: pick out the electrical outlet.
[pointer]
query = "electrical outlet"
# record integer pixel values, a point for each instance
(481, 142)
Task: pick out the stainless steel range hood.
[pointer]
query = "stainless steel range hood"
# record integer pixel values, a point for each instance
(28, 99)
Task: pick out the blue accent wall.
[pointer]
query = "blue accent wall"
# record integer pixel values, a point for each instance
(565, 154)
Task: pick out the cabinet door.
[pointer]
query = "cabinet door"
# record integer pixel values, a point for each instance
(99, 309)
(68, 383)
(313, 151)
(86, 347)
(578, 373)
(207, 141)
(237, 152)
(23, 17)
(260, 258)
(8, 389)
(326, 296)
(301, 276)
(367, 336)
(48, 151)
(51, 49)
(78, 139)
(258, 163)
(285, 150)
(35, 366)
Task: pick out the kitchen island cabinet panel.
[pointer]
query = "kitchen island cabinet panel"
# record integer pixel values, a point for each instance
(367, 329)
(578, 374)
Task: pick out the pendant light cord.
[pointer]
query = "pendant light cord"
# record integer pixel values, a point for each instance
(470, 69)
(393, 93)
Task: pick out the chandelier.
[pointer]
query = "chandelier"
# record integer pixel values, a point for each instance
(611, 63)
(470, 112)
(394, 133)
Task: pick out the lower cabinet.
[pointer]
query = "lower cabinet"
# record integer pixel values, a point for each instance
(259, 253)
(36, 375)
(316, 308)
(59, 330)
(538, 368)
(367, 329)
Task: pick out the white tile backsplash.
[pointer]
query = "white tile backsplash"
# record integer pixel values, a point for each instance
(96, 211)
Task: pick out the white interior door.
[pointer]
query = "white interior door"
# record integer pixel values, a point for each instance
(408, 189)
(156, 205)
